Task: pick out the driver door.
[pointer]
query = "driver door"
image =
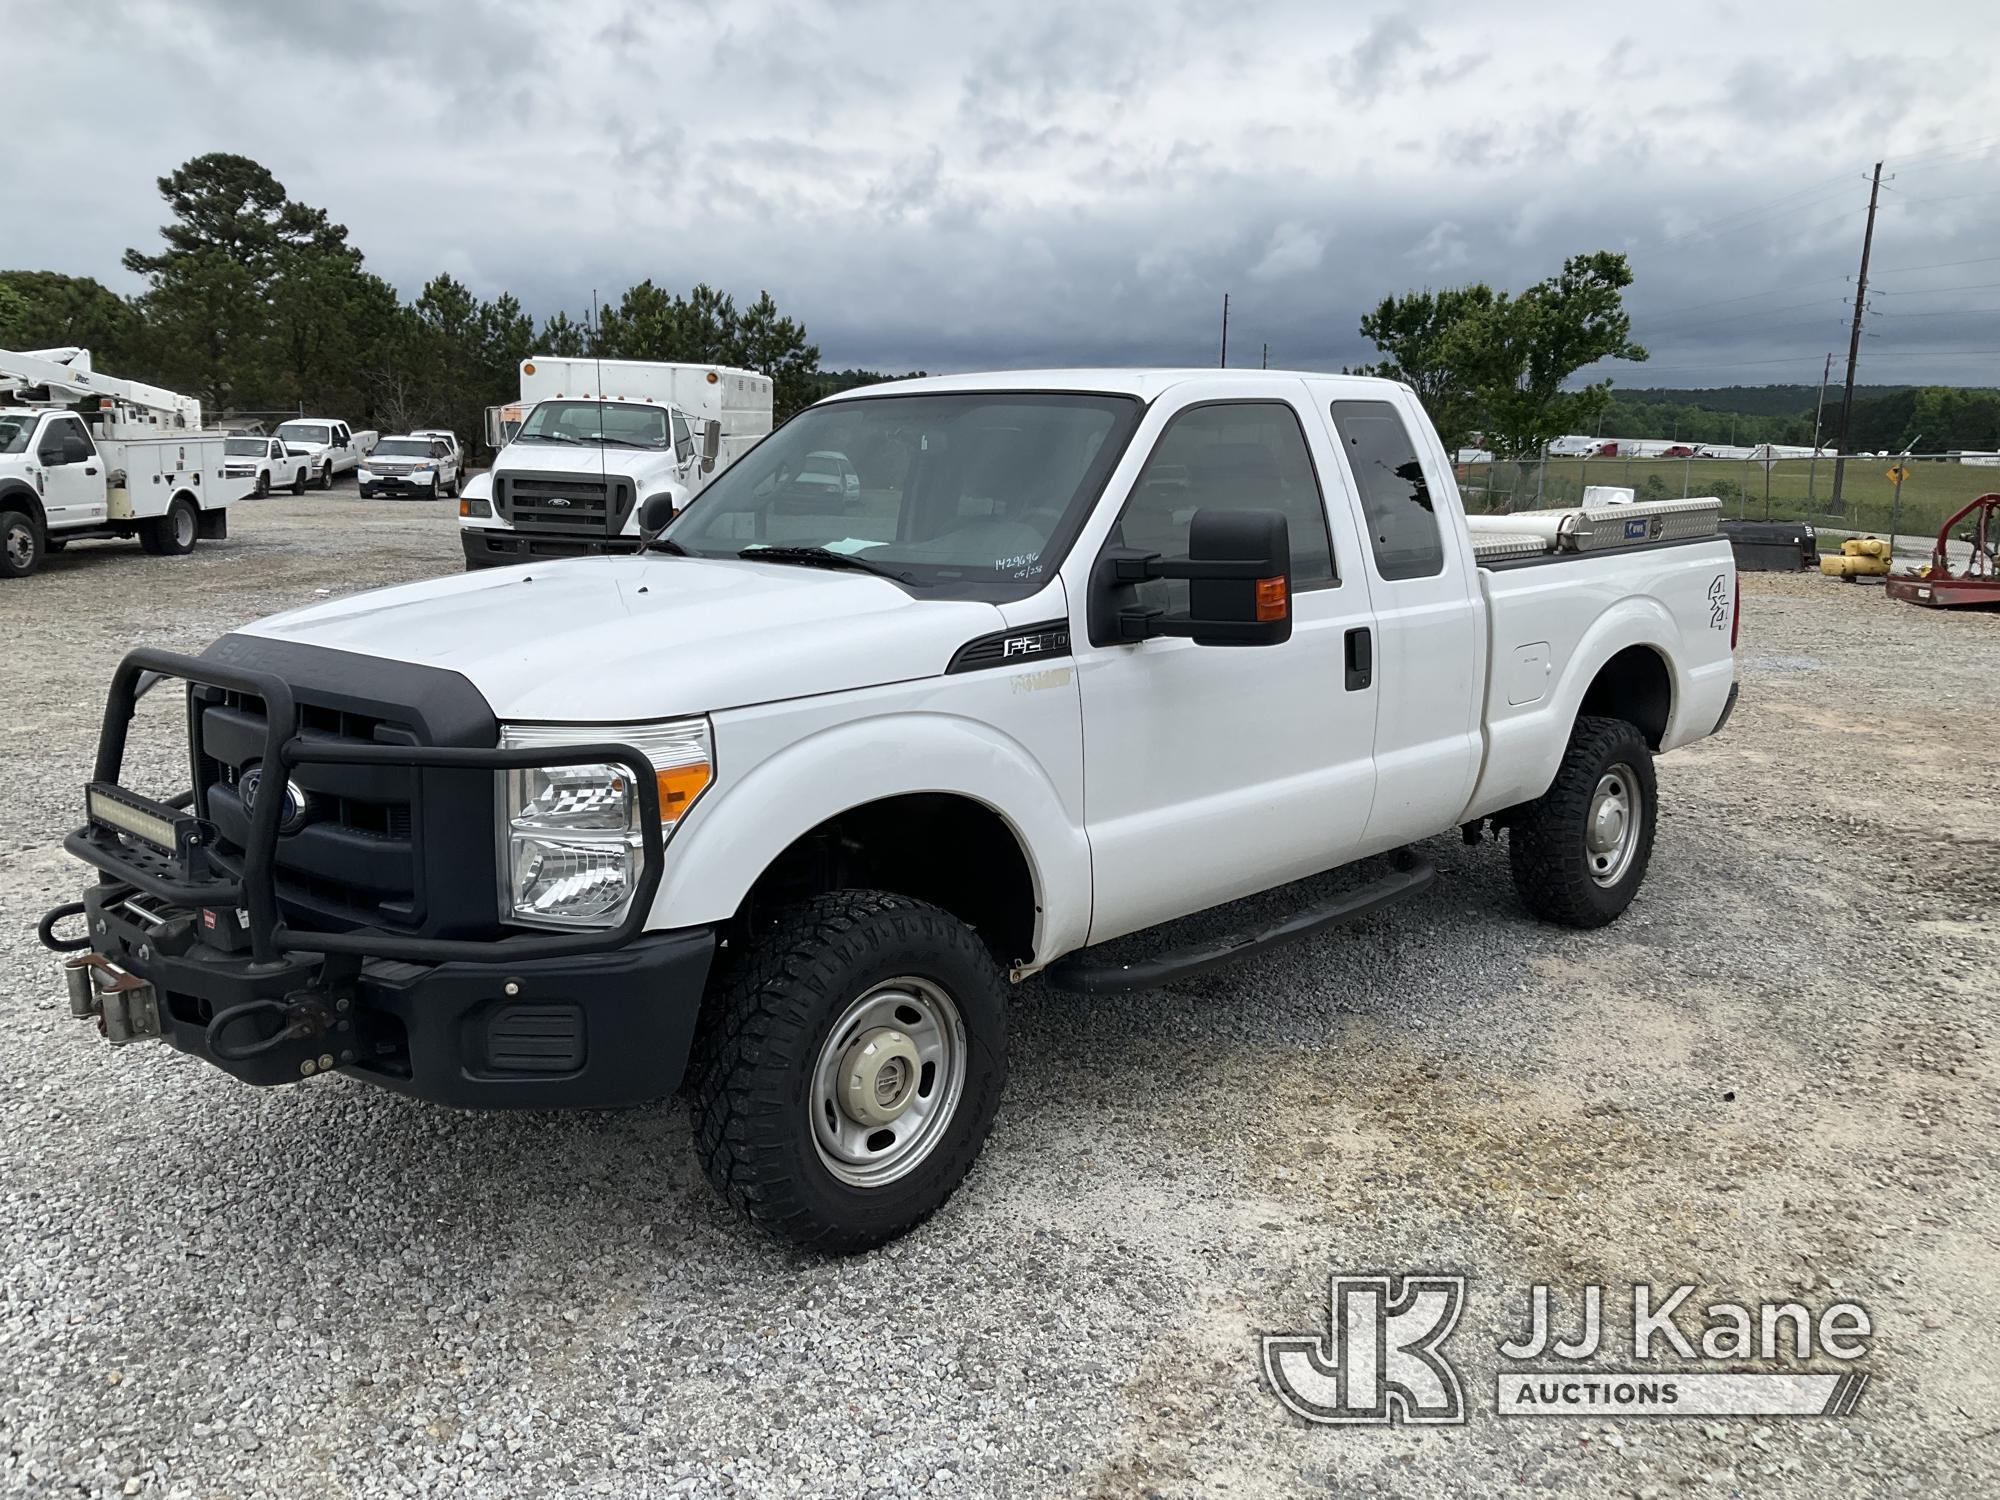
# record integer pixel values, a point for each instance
(1212, 772)
(72, 473)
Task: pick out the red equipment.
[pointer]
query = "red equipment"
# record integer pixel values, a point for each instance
(1936, 586)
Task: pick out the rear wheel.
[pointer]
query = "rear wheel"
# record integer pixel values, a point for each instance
(848, 1070)
(173, 534)
(453, 488)
(1580, 850)
(21, 544)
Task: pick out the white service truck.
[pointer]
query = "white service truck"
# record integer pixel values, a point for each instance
(591, 440)
(330, 446)
(139, 464)
(780, 807)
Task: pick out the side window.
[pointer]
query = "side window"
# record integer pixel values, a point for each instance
(683, 439)
(277, 449)
(340, 436)
(1395, 496)
(67, 436)
(1240, 455)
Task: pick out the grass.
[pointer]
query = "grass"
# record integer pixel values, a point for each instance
(1931, 491)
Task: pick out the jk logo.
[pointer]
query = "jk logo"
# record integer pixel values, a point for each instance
(1378, 1361)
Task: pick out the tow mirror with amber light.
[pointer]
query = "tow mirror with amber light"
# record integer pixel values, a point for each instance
(1239, 575)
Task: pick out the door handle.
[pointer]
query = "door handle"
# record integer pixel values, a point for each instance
(1360, 658)
(88, 470)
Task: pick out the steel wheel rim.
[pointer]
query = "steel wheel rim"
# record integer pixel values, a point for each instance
(20, 545)
(867, 1155)
(1611, 827)
(183, 526)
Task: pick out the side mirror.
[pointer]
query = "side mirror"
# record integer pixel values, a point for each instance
(655, 511)
(1239, 575)
(711, 444)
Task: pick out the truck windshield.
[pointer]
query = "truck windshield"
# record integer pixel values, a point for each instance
(241, 447)
(305, 432)
(403, 448)
(15, 429)
(629, 425)
(974, 494)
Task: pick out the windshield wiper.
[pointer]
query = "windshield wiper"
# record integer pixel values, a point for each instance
(548, 437)
(820, 557)
(634, 443)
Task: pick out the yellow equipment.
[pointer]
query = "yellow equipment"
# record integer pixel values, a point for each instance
(1858, 557)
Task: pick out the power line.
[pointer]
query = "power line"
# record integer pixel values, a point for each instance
(1947, 198)
(1757, 210)
(1750, 296)
(1977, 144)
(1938, 265)
(1932, 291)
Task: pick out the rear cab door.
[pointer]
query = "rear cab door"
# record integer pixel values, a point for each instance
(1429, 651)
(1212, 772)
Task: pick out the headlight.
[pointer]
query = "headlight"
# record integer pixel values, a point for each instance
(365, 474)
(574, 845)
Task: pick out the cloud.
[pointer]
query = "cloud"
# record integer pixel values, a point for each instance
(995, 184)
(1292, 251)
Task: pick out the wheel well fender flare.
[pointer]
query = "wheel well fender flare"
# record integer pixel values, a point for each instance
(16, 495)
(739, 827)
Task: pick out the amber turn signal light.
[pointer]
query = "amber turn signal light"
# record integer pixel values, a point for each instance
(679, 786)
(1272, 600)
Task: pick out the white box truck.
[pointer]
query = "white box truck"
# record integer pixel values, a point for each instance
(139, 465)
(591, 440)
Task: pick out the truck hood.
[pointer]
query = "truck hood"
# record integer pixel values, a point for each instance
(561, 458)
(611, 639)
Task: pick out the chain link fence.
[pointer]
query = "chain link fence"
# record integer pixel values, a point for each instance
(1752, 489)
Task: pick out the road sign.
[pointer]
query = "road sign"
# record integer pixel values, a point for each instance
(1898, 473)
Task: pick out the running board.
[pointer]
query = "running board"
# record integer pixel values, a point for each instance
(1077, 972)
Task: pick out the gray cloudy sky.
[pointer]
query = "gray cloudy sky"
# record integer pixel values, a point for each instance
(954, 185)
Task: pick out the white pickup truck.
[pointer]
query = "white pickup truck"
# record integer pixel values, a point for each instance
(330, 446)
(778, 808)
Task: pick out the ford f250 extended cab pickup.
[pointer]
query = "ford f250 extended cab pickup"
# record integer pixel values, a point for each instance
(777, 807)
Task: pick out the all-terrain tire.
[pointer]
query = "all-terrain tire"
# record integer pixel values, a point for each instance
(1561, 877)
(766, 1027)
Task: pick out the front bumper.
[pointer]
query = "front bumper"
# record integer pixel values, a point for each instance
(590, 1031)
(204, 955)
(428, 485)
(493, 547)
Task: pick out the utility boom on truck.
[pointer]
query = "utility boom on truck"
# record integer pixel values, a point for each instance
(139, 465)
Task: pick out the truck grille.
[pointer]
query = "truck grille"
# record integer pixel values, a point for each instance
(569, 504)
(353, 853)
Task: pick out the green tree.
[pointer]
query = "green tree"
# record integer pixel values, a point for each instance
(1516, 354)
(209, 305)
(777, 346)
(1414, 331)
(48, 310)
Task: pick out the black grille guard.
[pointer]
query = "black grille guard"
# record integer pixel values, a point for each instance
(256, 891)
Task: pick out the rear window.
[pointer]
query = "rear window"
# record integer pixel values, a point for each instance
(1395, 496)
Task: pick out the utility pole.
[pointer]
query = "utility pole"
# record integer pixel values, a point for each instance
(1819, 406)
(1854, 339)
(1225, 331)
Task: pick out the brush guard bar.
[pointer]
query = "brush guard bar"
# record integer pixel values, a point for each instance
(187, 876)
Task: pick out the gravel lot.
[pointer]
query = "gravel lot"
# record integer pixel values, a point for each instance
(1775, 1077)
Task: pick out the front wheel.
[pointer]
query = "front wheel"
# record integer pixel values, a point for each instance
(847, 1071)
(299, 481)
(326, 477)
(1579, 851)
(21, 543)
(263, 484)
